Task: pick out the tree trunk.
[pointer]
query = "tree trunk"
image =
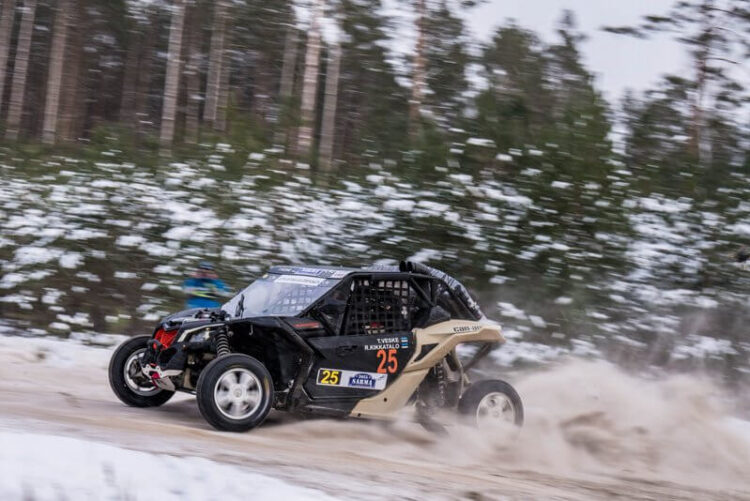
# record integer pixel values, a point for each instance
(18, 87)
(145, 70)
(697, 118)
(130, 78)
(329, 108)
(418, 79)
(72, 98)
(172, 80)
(287, 82)
(290, 61)
(6, 29)
(192, 78)
(54, 80)
(192, 111)
(222, 107)
(702, 55)
(310, 84)
(215, 62)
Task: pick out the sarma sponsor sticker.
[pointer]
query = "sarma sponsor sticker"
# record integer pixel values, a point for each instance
(352, 379)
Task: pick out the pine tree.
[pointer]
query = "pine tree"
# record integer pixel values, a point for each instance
(310, 83)
(330, 103)
(512, 111)
(172, 81)
(6, 27)
(438, 65)
(446, 57)
(94, 68)
(286, 85)
(54, 81)
(138, 46)
(714, 32)
(579, 112)
(73, 90)
(541, 106)
(192, 72)
(418, 73)
(373, 109)
(256, 55)
(215, 61)
(142, 36)
(23, 53)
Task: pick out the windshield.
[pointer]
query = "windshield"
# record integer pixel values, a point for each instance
(276, 294)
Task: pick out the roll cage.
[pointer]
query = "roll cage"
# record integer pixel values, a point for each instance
(381, 298)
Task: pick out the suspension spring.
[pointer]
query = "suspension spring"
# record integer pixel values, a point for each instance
(440, 376)
(222, 343)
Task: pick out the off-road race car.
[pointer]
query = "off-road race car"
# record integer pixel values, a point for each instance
(336, 342)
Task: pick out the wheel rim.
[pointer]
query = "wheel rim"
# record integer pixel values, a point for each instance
(495, 410)
(140, 388)
(238, 393)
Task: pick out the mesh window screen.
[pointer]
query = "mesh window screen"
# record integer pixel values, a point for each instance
(379, 307)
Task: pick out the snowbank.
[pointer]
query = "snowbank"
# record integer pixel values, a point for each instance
(42, 467)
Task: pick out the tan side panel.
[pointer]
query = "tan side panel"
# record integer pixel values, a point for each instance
(447, 335)
(387, 403)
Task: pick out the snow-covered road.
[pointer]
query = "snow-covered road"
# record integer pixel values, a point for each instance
(50, 467)
(592, 432)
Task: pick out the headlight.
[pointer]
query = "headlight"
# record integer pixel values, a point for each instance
(201, 336)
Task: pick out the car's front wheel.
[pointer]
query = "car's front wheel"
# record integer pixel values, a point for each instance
(235, 393)
(130, 385)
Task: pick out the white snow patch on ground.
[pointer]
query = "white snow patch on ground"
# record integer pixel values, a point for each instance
(129, 240)
(561, 185)
(660, 204)
(35, 255)
(11, 280)
(48, 467)
(511, 311)
(125, 274)
(71, 260)
(404, 205)
(425, 255)
(701, 347)
(503, 157)
(481, 141)
(180, 233)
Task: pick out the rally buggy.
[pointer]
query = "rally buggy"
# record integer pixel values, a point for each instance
(326, 341)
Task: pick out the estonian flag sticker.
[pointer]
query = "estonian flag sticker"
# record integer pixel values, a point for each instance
(404, 342)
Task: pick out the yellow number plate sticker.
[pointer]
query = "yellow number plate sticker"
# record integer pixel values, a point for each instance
(329, 377)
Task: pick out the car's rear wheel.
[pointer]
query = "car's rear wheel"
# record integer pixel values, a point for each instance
(492, 404)
(125, 377)
(235, 393)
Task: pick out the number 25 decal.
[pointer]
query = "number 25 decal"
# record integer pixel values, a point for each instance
(388, 361)
(327, 376)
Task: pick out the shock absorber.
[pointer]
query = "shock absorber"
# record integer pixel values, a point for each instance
(222, 343)
(440, 376)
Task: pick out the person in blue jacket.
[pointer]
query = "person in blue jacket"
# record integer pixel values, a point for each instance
(205, 288)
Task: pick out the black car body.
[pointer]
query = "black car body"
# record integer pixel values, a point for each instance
(330, 339)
